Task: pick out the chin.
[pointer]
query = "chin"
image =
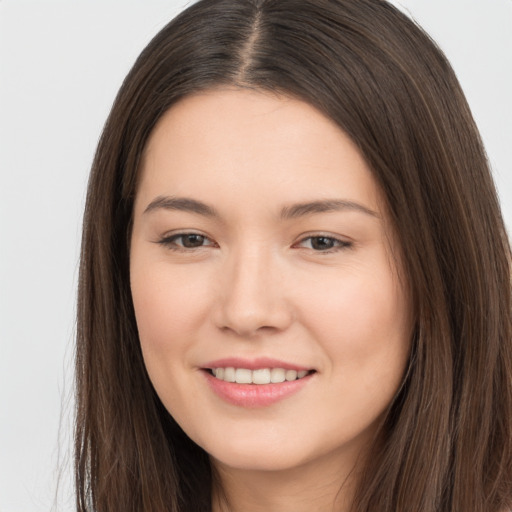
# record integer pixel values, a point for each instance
(249, 453)
(258, 460)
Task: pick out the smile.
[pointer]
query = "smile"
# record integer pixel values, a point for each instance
(259, 376)
(258, 386)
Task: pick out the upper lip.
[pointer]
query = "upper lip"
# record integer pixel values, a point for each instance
(254, 364)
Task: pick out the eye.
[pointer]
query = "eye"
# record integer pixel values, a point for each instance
(183, 241)
(323, 243)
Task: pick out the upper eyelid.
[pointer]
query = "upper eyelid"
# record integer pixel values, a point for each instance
(336, 239)
(320, 234)
(178, 233)
(168, 239)
(324, 236)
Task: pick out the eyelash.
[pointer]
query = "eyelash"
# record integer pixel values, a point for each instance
(170, 243)
(337, 244)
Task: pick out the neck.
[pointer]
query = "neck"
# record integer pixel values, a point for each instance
(300, 489)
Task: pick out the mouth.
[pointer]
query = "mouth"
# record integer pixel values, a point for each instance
(256, 383)
(260, 376)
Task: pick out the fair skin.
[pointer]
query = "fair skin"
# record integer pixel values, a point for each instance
(260, 241)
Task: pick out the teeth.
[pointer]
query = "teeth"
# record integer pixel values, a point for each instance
(291, 375)
(243, 376)
(229, 375)
(277, 375)
(260, 376)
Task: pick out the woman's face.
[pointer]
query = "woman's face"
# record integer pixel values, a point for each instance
(261, 252)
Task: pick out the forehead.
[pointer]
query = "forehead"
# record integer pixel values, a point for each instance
(237, 143)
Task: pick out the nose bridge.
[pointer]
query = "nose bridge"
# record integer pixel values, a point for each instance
(252, 295)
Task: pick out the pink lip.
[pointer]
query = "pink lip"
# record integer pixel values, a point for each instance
(253, 364)
(254, 395)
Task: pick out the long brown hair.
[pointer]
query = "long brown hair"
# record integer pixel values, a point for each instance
(447, 438)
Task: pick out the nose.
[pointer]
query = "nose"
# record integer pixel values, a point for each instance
(252, 297)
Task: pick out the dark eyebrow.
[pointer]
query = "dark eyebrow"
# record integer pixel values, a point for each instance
(183, 204)
(327, 205)
(186, 204)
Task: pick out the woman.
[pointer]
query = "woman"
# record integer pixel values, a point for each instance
(295, 279)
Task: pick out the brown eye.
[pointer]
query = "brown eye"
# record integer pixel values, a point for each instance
(182, 241)
(322, 243)
(191, 240)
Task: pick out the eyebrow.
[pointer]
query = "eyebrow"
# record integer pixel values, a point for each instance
(326, 205)
(183, 204)
(186, 204)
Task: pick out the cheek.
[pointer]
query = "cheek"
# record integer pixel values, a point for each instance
(362, 322)
(168, 307)
(364, 329)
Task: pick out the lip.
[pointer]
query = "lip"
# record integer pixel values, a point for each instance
(253, 364)
(254, 395)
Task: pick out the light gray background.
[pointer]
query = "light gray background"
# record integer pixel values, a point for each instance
(61, 64)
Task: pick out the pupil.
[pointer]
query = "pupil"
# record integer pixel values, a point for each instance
(321, 243)
(193, 240)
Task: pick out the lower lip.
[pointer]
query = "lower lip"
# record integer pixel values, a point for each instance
(255, 395)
